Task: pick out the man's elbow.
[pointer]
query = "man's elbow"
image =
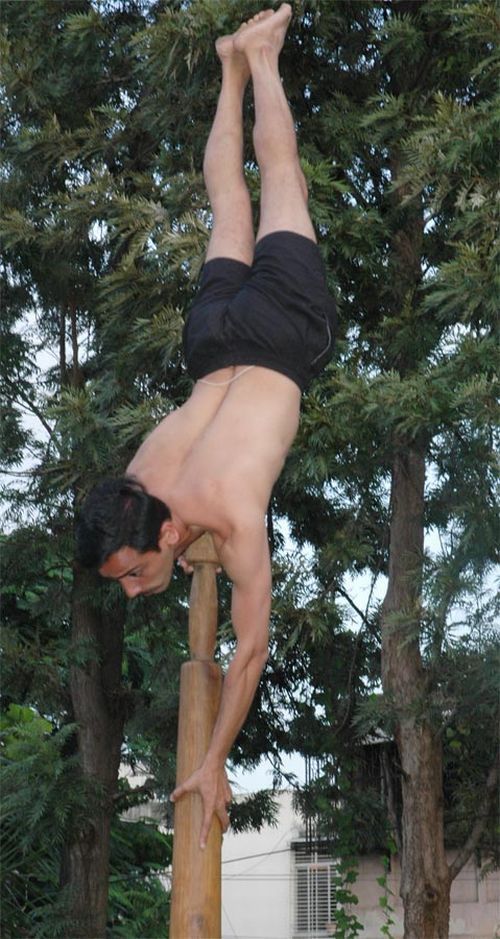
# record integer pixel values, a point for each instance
(253, 656)
(260, 656)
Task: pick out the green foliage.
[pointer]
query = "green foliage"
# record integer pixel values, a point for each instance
(347, 925)
(385, 899)
(42, 801)
(36, 582)
(253, 812)
(138, 898)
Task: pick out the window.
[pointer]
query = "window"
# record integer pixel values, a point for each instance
(314, 895)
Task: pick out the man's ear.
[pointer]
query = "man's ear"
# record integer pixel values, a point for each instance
(169, 536)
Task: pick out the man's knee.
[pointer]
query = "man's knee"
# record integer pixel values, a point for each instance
(232, 205)
(302, 182)
(285, 181)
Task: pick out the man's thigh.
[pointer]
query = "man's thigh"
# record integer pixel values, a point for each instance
(232, 234)
(284, 203)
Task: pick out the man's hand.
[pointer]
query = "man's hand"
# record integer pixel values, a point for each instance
(215, 791)
(186, 566)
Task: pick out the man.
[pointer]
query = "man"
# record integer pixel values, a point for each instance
(261, 327)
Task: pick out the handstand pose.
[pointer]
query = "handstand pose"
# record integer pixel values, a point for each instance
(260, 329)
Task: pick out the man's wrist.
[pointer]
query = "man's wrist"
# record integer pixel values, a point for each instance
(214, 762)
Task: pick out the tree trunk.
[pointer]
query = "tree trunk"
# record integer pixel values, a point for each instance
(425, 883)
(97, 643)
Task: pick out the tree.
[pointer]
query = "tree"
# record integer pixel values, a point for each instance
(70, 66)
(410, 96)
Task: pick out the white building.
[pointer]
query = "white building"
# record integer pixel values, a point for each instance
(272, 888)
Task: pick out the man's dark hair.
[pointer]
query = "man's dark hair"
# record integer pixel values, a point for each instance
(118, 513)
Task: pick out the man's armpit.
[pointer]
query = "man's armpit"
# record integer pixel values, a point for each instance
(245, 555)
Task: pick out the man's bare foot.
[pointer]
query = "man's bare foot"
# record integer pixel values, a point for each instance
(267, 29)
(230, 58)
(225, 46)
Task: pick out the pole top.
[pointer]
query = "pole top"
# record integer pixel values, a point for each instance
(202, 551)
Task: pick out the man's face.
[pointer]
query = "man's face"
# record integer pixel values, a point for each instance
(140, 573)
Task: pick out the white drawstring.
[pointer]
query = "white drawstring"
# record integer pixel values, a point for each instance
(229, 381)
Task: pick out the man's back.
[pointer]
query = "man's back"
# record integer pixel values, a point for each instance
(217, 457)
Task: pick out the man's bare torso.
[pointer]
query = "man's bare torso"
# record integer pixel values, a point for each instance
(215, 459)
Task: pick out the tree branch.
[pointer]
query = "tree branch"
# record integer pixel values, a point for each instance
(363, 616)
(20, 396)
(479, 825)
(147, 789)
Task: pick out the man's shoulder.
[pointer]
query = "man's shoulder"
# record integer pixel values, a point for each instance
(216, 502)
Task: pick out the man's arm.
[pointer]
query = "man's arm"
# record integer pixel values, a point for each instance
(245, 556)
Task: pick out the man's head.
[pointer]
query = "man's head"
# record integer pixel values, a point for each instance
(128, 535)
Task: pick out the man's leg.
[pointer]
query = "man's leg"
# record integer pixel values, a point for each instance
(232, 234)
(283, 186)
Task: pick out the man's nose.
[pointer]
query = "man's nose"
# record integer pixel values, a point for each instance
(131, 590)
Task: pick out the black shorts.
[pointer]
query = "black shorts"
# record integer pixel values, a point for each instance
(277, 313)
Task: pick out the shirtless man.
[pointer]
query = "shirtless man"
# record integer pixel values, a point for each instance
(260, 329)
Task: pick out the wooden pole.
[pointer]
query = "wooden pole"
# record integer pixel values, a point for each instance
(196, 874)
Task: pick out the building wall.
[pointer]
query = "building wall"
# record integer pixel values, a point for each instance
(475, 902)
(257, 879)
(258, 889)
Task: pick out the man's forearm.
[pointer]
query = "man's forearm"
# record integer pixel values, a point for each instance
(238, 692)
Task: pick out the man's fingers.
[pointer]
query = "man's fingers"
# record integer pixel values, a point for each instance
(223, 818)
(205, 828)
(180, 791)
(215, 794)
(189, 569)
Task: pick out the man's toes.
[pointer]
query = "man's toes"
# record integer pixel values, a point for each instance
(263, 15)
